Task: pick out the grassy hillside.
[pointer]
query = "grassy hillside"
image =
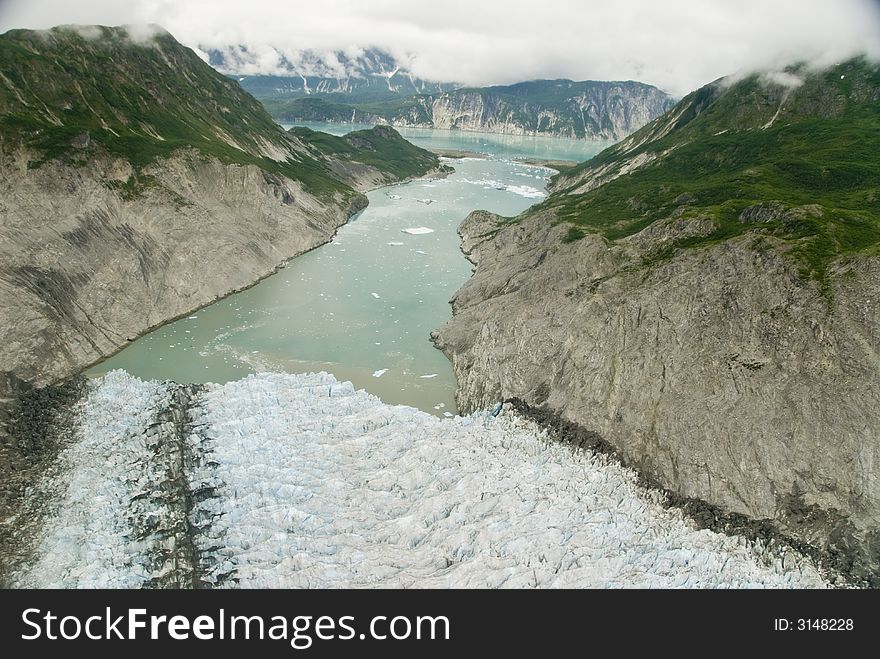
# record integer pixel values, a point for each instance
(800, 164)
(381, 147)
(70, 92)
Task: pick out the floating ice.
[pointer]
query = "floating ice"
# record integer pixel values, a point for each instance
(395, 244)
(380, 373)
(376, 295)
(425, 201)
(394, 196)
(521, 190)
(526, 191)
(310, 483)
(417, 231)
(430, 375)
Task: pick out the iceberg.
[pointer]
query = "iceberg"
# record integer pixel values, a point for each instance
(417, 231)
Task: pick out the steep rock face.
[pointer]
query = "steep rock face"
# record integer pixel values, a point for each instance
(705, 296)
(138, 184)
(562, 108)
(717, 374)
(105, 270)
(594, 110)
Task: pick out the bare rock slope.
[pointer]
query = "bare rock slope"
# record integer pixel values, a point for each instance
(138, 184)
(729, 351)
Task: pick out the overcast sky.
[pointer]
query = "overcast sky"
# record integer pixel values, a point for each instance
(675, 44)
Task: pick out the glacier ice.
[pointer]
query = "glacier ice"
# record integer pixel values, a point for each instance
(322, 485)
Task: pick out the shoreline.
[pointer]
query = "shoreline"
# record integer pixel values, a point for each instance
(352, 212)
(549, 163)
(469, 131)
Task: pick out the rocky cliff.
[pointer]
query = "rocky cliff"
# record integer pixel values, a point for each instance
(705, 296)
(139, 184)
(562, 108)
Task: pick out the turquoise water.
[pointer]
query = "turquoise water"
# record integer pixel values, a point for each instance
(509, 146)
(362, 307)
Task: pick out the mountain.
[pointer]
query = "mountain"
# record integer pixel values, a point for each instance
(362, 76)
(371, 86)
(138, 184)
(562, 108)
(703, 297)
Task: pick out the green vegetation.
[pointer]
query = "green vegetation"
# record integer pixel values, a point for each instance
(69, 93)
(333, 108)
(381, 147)
(819, 161)
(138, 100)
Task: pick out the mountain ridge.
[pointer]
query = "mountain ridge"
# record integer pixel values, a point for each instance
(362, 75)
(562, 108)
(139, 184)
(706, 292)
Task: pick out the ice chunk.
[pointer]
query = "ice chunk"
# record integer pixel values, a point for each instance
(395, 244)
(376, 295)
(380, 372)
(417, 231)
(430, 375)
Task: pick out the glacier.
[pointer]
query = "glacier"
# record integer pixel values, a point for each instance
(302, 481)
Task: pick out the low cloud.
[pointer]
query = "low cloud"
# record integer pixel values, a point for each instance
(677, 44)
(784, 79)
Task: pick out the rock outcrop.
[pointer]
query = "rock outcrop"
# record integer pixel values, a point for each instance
(702, 345)
(84, 271)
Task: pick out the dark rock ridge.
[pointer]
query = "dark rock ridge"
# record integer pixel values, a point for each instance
(35, 424)
(705, 299)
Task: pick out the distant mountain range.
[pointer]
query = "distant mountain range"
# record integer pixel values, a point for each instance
(371, 86)
(361, 76)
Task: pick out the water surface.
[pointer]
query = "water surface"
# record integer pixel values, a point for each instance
(362, 307)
